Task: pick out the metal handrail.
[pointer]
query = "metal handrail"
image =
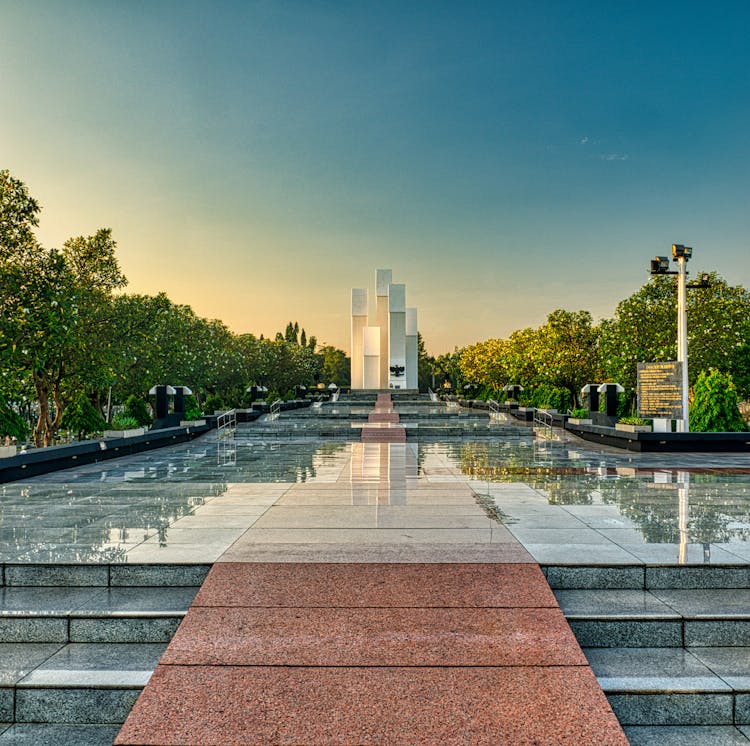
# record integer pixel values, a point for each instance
(335, 395)
(543, 423)
(275, 410)
(494, 407)
(433, 395)
(226, 424)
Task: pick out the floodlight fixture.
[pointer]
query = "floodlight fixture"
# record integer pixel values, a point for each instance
(660, 265)
(703, 281)
(679, 251)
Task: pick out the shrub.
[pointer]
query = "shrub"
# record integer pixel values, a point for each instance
(634, 421)
(80, 417)
(214, 403)
(192, 410)
(545, 396)
(123, 422)
(714, 407)
(580, 414)
(12, 425)
(138, 410)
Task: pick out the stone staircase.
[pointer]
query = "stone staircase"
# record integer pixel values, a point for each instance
(79, 642)
(670, 647)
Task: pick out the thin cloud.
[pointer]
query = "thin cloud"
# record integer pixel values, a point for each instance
(615, 157)
(584, 140)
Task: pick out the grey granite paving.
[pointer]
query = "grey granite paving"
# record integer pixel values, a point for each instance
(30, 601)
(352, 552)
(138, 601)
(673, 708)
(613, 604)
(17, 659)
(732, 664)
(89, 665)
(566, 501)
(652, 669)
(686, 735)
(699, 603)
(59, 735)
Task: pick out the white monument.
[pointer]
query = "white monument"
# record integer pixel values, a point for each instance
(371, 357)
(383, 280)
(359, 322)
(384, 355)
(412, 350)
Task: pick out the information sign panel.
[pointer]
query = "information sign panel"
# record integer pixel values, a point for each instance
(660, 390)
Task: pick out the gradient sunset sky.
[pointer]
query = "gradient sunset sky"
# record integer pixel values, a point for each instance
(256, 160)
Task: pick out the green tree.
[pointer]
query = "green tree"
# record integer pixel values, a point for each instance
(137, 410)
(426, 366)
(335, 366)
(486, 363)
(644, 329)
(81, 417)
(566, 351)
(51, 307)
(714, 407)
(448, 370)
(12, 425)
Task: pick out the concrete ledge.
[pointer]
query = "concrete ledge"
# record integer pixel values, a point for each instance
(45, 460)
(662, 442)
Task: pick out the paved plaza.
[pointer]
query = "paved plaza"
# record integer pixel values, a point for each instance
(392, 592)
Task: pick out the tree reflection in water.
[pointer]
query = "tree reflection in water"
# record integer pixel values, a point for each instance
(667, 506)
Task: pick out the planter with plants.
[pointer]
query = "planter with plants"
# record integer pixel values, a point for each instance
(633, 425)
(580, 417)
(124, 426)
(6, 451)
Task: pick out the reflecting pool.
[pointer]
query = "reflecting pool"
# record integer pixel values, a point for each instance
(565, 501)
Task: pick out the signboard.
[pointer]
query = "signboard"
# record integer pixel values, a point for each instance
(660, 390)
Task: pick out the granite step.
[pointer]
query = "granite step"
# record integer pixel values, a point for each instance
(79, 643)
(91, 614)
(658, 618)
(675, 686)
(77, 683)
(670, 647)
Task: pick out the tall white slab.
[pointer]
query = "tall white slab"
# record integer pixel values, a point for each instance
(384, 277)
(359, 322)
(412, 351)
(371, 357)
(397, 335)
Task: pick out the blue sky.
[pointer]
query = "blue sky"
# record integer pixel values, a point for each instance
(258, 159)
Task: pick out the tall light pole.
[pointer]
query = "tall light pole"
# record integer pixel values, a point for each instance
(660, 266)
(681, 254)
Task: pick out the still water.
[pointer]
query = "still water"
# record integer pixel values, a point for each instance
(98, 513)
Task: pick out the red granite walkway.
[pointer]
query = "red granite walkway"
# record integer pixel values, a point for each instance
(383, 423)
(374, 653)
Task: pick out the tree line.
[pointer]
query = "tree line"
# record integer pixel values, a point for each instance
(67, 329)
(555, 360)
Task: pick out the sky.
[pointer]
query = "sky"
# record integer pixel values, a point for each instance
(257, 160)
